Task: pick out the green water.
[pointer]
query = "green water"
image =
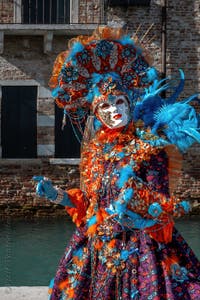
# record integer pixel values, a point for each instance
(30, 250)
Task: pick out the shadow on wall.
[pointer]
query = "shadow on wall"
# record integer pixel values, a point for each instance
(24, 59)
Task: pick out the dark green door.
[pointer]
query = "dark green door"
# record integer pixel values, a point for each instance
(66, 142)
(18, 122)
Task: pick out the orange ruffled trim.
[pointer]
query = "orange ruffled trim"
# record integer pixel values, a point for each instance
(100, 215)
(78, 212)
(64, 284)
(162, 233)
(168, 261)
(53, 82)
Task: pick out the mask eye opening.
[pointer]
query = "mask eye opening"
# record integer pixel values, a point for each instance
(104, 106)
(120, 101)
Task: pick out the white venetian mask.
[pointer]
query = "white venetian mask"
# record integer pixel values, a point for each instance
(115, 112)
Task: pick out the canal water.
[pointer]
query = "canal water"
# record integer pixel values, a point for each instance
(30, 250)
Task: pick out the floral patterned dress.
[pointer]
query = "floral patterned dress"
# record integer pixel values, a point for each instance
(125, 245)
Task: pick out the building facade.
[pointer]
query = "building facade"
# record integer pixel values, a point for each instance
(32, 33)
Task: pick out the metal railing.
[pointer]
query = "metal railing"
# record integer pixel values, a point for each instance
(51, 11)
(45, 11)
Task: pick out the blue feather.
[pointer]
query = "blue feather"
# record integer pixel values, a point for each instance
(92, 221)
(138, 221)
(128, 194)
(126, 40)
(77, 47)
(78, 252)
(179, 123)
(152, 101)
(51, 283)
(97, 124)
(152, 74)
(125, 173)
(186, 206)
(60, 93)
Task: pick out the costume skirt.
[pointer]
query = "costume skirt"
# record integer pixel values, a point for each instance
(130, 266)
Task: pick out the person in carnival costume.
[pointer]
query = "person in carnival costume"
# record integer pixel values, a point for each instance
(125, 245)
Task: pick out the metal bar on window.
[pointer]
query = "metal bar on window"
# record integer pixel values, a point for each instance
(43, 10)
(53, 12)
(50, 12)
(57, 11)
(64, 16)
(36, 11)
(29, 12)
(62, 11)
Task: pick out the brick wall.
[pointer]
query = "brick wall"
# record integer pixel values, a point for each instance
(140, 19)
(6, 11)
(183, 41)
(90, 11)
(17, 189)
(184, 174)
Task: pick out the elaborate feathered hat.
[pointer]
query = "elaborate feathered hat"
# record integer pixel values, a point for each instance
(94, 66)
(111, 62)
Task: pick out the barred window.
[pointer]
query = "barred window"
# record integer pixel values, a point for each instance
(46, 11)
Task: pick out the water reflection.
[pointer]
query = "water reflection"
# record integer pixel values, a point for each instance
(30, 250)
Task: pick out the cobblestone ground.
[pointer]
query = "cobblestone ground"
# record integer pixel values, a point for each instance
(24, 293)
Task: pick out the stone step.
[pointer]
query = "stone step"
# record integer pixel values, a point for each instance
(24, 293)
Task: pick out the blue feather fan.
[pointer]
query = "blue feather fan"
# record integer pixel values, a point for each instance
(178, 121)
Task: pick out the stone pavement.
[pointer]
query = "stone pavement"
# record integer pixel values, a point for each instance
(24, 293)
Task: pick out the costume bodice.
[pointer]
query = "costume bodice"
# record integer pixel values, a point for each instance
(113, 160)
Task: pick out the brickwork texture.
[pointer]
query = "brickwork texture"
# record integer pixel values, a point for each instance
(17, 188)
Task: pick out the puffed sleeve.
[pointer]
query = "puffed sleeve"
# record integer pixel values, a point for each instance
(77, 213)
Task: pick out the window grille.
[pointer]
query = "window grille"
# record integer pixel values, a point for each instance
(46, 11)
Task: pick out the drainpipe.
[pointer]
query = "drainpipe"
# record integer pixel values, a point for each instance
(163, 42)
(163, 38)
